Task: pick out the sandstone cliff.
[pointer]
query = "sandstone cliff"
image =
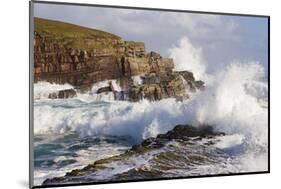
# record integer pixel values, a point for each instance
(66, 53)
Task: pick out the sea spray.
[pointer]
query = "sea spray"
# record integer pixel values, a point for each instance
(234, 101)
(43, 89)
(225, 104)
(230, 103)
(188, 57)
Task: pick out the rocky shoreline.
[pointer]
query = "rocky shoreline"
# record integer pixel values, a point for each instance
(182, 134)
(82, 57)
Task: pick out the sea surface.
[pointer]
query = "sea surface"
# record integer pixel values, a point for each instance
(72, 133)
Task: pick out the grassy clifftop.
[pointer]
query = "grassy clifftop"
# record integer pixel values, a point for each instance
(73, 35)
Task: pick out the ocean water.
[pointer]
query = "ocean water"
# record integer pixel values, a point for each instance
(72, 133)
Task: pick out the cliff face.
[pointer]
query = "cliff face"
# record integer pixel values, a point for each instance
(66, 53)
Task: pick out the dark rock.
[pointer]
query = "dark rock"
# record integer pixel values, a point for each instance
(157, 87)
(199, 84)
(53, 180)
(109, 88)
(184, 134)
(67, 93)
(104, 89)
(185, 131)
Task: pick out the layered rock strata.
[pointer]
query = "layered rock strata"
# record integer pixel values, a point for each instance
(66, 53)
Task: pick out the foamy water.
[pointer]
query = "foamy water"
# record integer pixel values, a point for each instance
(234, 101)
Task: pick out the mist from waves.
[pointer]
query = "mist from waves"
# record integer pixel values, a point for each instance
(234, 101)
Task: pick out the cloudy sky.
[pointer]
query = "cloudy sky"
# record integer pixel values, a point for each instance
(215, 39)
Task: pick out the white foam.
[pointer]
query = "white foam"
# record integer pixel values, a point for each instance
(43, 89)
(229, 141)
(230, 103)
(116, 118)
(224, 104)
(85, 157)
(137, 80)
(137, 161)
(105, 83)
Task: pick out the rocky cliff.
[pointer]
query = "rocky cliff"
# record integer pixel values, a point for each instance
(66, 53)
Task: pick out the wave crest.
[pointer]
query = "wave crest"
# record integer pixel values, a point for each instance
(226, 103)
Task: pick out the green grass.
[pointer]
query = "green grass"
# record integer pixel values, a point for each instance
(73, 35)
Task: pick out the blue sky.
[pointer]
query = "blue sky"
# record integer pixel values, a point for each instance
(221, 39)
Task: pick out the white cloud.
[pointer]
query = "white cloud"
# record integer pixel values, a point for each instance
(124, 22)
(221, 38)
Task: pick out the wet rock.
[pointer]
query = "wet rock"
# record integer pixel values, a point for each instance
(185, 131)
(156, 87)
(164, 160)
(199, 84)
(67, 93)
(104, 90)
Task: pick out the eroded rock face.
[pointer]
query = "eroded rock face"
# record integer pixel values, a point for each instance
(57, 63)
(159, 86)
(93, 57)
